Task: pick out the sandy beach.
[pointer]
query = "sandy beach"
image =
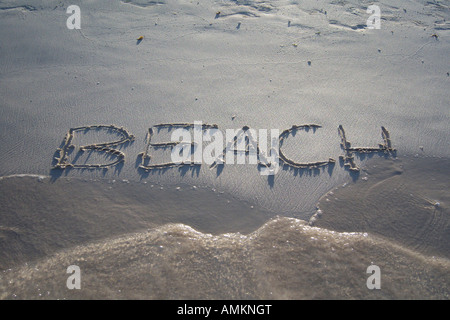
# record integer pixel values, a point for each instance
(87, 178)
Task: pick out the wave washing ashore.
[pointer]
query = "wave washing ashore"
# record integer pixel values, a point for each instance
(135, 240)
(355, 203)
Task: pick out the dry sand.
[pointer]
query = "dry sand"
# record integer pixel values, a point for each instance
(192, 65)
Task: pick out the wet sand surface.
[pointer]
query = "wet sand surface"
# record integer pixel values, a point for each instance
(406, 201)
(360, 107)
(39, 215)
(129, 246)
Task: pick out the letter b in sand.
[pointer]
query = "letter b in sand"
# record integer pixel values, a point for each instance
(74, 280)
(374, 21)
(74, 21)
(374, 281)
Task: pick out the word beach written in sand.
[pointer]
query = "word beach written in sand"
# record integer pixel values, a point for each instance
(194, 144)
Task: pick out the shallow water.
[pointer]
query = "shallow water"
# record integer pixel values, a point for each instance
(285, 259)
(130, 244)
(225, 232)
(405, 201)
